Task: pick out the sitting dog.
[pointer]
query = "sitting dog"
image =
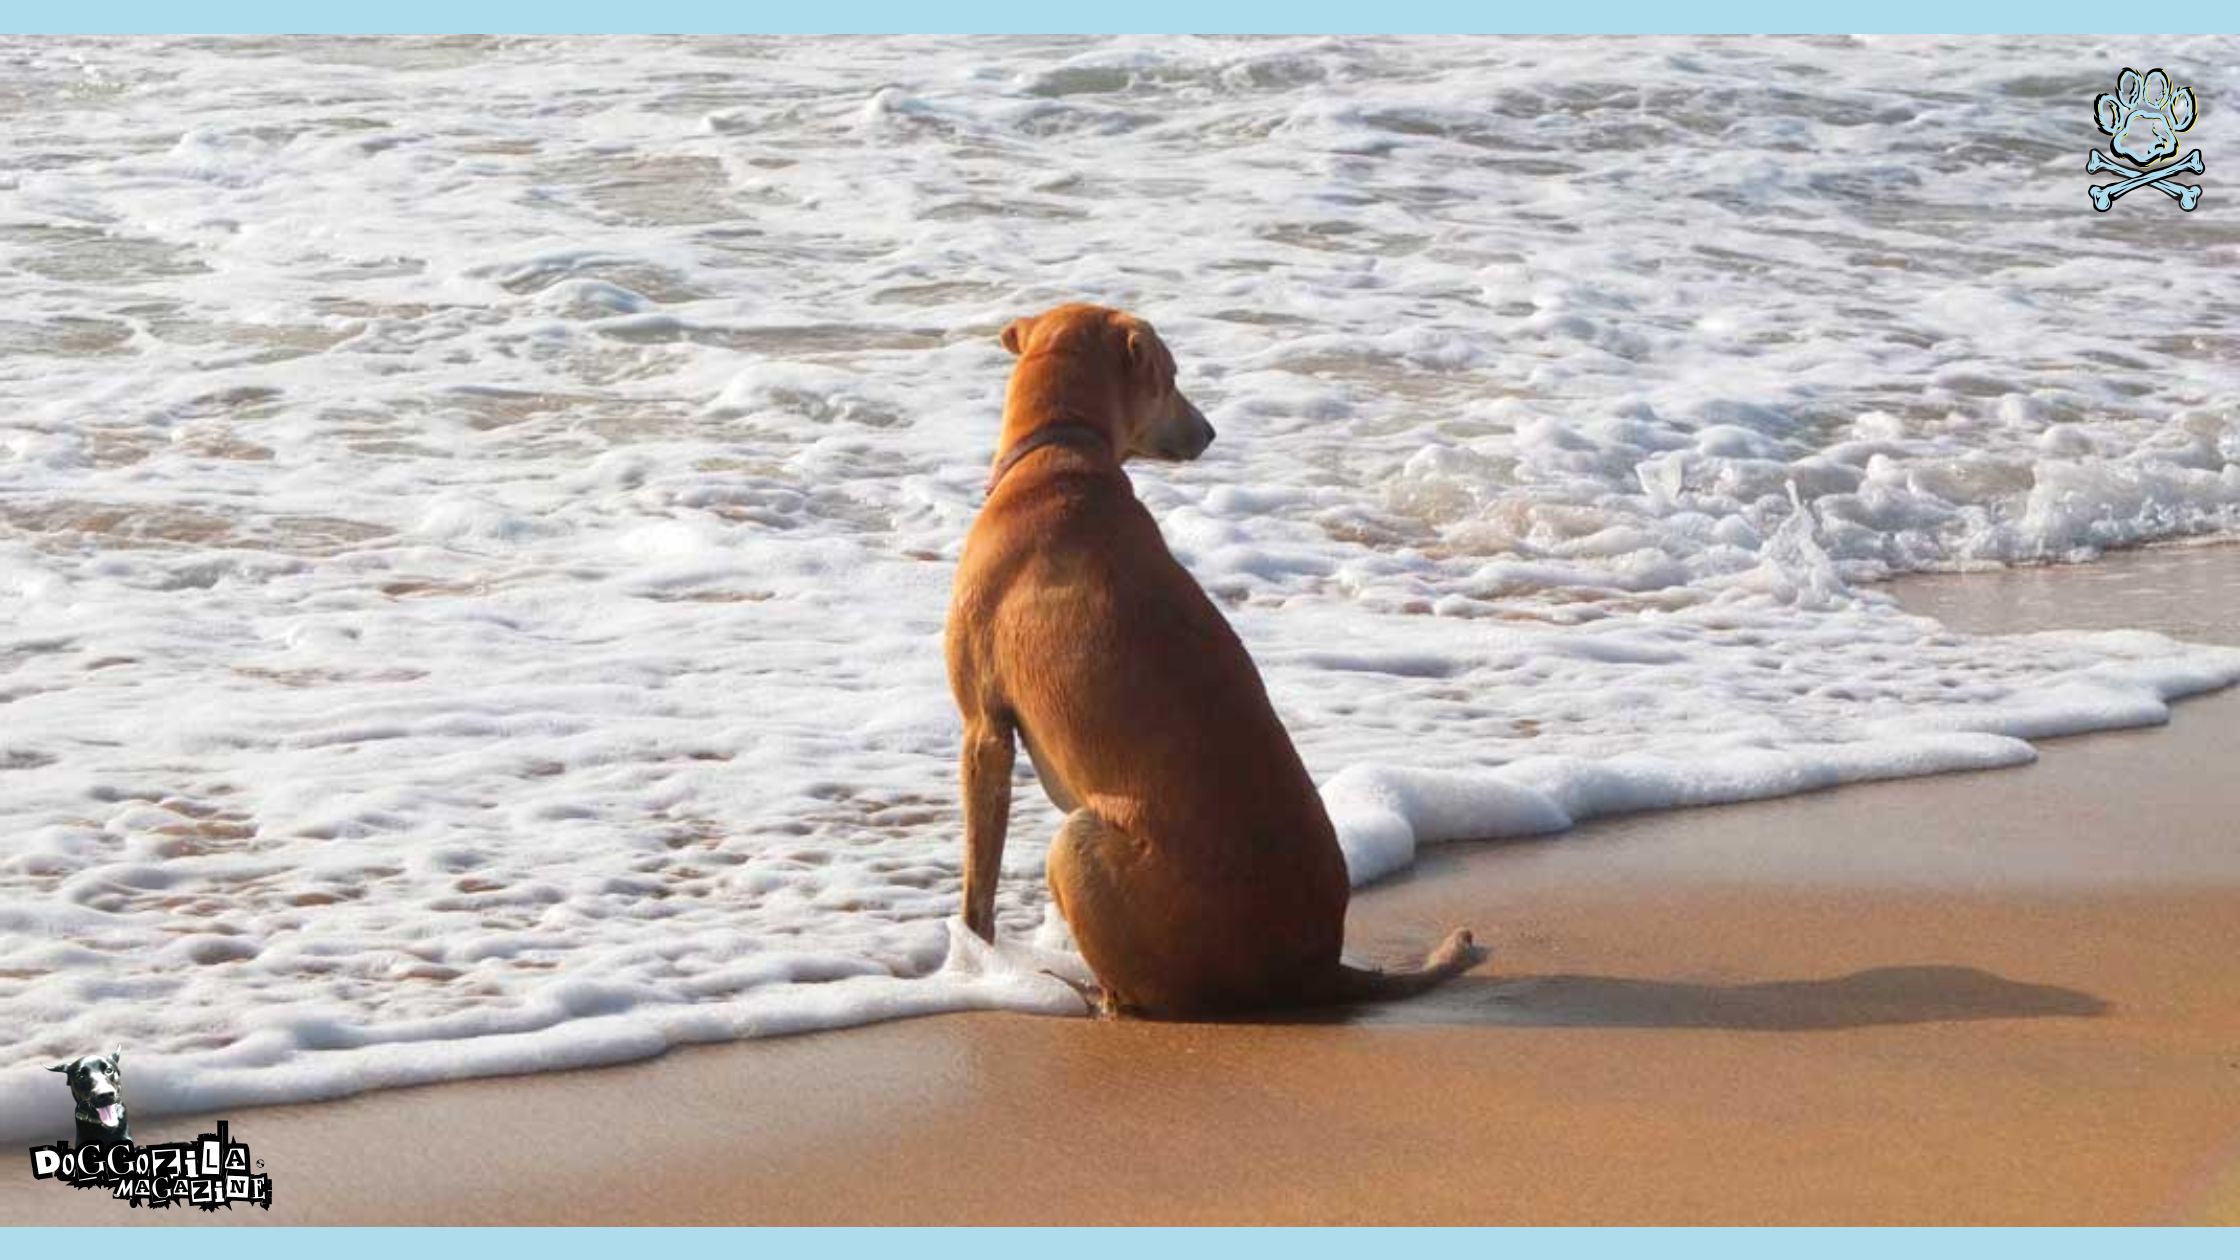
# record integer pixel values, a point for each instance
(1196, 867)
(97, 1085)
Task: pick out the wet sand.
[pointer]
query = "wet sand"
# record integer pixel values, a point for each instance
(2007, 997)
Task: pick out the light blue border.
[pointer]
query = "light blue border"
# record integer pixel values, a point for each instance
(1115, 16)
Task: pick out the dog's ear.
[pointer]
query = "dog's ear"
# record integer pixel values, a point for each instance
(1142, 347)
(60, 1067)
(116, 1058)
(1014, 336)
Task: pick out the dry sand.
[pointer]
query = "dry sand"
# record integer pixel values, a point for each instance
(2009, 997)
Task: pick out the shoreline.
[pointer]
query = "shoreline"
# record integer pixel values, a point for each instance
(1980, 998)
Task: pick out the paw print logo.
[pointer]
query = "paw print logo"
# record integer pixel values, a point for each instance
(2144, 116)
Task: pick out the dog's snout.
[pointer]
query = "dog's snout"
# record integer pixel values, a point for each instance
(1200, 439)
(1197, 431)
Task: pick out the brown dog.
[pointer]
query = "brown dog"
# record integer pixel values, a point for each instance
(1196, 866)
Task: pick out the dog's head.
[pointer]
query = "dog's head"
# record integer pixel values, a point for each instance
(97, 1083)
(1154, 420)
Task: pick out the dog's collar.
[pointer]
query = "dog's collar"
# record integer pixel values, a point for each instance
(1066, 433)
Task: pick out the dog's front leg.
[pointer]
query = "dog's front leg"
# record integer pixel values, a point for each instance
(988, 753)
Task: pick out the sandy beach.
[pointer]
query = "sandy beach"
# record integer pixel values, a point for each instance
(2004, 997)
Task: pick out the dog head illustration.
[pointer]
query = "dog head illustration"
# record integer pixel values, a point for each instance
(97, 1085)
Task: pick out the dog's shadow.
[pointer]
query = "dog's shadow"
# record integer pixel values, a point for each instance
(1880, 996)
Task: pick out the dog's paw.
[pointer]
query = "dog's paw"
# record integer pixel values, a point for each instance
(2144, 115)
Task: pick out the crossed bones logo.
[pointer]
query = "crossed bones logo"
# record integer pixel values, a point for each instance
(2144, 117)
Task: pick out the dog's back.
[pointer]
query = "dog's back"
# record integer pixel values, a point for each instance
(1124, 675)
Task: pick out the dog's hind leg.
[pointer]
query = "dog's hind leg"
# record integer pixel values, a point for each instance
(1170, 941)
(1100, 880)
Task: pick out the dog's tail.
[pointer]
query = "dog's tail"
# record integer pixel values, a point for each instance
(1455, 955)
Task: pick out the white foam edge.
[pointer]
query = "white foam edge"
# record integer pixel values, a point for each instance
(975, 976)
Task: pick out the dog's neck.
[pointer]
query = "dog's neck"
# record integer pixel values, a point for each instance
(1063, 433)
(92, 1130)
